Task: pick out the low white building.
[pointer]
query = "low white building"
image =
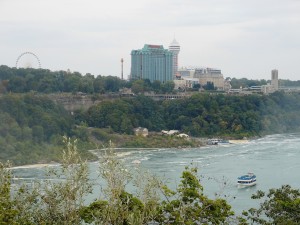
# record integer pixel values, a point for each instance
(141, 131)
(169, 132)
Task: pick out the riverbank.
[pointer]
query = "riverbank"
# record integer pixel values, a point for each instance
(243, 141)
(124, 151)
(36, 166)
(100, 138)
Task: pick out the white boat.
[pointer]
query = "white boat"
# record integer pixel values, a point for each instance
(217, 141)
(247, 180)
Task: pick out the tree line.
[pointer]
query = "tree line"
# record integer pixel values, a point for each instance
(31, 124)
(25, 80)
(22, 80)
(199, 115)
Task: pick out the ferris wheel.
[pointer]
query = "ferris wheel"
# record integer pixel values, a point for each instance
(28, 60)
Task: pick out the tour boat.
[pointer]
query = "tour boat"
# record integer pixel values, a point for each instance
(217, 141)
(247, 180)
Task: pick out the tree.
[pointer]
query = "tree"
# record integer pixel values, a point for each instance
(280, 207)
(156, 86)
(138, 86)
(168, 87)
(116, 205)
(48, 202)
(60, 202)
(7, 210)
(189, 205)
(196, 86)
(209, 86)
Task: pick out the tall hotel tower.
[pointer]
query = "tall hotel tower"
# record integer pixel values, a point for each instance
(152, 62)
(175, 48)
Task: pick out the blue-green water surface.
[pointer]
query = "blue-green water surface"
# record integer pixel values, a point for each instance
(275, 160)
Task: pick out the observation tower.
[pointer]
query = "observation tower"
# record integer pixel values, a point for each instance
(174, 47)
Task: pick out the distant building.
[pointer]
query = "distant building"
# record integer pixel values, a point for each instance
(263, 89)
(140, 131)
(206, 75)
(274, 79)
(186, 72)
(183, 135)
(175, 49)
(227, 84)
(152, 62)
(186, 82)
(169, 132)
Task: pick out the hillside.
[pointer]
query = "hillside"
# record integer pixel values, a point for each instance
(38, 107)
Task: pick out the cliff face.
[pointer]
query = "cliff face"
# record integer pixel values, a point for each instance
(72, 102)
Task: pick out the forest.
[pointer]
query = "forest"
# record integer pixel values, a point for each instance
(200, 115)
(32, 124)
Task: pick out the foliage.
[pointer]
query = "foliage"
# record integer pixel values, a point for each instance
(209, 86)
(159, 141)
(188, 205)
(201, 114)
(30, 124)
(31, 127)
(280, 206)
(57, 200)
(7, 211)
(116, 205)
(244, 82)
(23, 80)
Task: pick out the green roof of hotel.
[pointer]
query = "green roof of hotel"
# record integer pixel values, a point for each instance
(149, 48)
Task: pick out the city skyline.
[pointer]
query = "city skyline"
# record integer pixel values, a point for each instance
(243, 39)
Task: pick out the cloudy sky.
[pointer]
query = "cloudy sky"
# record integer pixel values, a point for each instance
(242, 38)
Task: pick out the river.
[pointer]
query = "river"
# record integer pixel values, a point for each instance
(274, 159)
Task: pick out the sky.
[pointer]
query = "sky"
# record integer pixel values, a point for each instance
(245, 39)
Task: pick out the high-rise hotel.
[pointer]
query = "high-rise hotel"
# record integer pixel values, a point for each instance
(152, 62)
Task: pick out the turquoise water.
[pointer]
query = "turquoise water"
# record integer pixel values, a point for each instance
(274, 159)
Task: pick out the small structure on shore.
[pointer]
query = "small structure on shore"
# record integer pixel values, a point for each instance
(141, 131)
(170, 132)
(183, 135)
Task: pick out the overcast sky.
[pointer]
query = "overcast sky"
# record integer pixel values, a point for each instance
(243, 38)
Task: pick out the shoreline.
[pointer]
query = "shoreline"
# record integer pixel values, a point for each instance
(239, 141)
(37, 165)
(42, 165)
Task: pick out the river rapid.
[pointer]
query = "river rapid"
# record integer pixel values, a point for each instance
(274, 159)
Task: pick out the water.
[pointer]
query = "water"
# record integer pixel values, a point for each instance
(274, 159)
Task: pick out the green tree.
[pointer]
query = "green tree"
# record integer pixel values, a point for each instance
(280, 207)
(168, 87)
(60, 201)
(156, 86)
(7, 210)
(138, 86)
(209, 86)
(116, 205)
(189, 205)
